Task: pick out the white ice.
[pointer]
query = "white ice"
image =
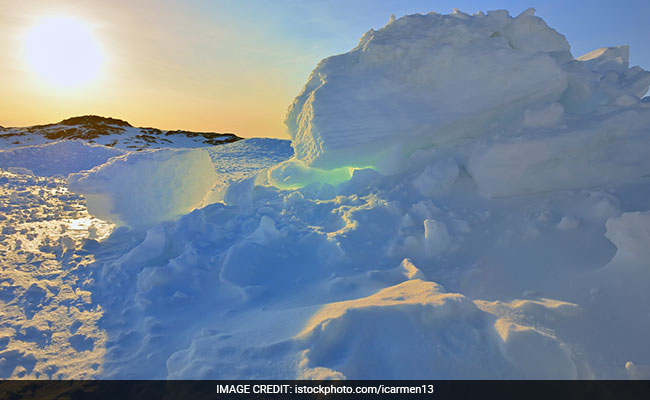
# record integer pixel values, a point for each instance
(143, 188)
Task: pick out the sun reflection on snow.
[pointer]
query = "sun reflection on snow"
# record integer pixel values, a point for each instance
(46, 296)
(92, 228)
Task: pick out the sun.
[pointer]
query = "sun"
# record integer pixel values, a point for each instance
(63, 51)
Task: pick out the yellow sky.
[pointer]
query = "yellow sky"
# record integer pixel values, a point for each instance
(164, 65)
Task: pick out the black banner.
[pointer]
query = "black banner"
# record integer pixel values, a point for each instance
(334, 390)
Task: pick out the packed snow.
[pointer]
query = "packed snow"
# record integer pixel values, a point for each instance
(57, 158)
(465, 200)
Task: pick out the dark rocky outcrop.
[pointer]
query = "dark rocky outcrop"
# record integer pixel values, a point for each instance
(92, 127)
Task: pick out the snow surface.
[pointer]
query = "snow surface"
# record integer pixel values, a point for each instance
(466, 200)
(48, 318)
(57, 158)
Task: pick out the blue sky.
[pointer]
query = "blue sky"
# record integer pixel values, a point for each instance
(336, 25)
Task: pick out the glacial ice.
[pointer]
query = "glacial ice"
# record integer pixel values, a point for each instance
(440, 82)
(423, 81)
(144, 188)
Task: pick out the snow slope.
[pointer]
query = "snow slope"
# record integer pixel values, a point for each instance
(492, 224)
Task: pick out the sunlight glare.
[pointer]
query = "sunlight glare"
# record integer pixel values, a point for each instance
(63, 51)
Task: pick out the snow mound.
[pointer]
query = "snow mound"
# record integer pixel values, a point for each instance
(144, 188)
(57, 158)
(424, 80)
(631, 234)
(503, 94)
(343, 339)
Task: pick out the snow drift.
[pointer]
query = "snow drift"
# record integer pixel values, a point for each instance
(57, 158)
(425, 81)
(144, 188)
(461, 340)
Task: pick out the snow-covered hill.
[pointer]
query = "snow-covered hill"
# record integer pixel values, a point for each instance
(110, 132)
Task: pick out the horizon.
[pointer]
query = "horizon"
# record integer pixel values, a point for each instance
(227, 67)
(106, 119)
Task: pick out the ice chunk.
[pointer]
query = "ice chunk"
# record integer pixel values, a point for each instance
(424, 80)
(631, 234)
(565, 159)
(436, 179)
(410, 270)
(144, 188)
(436, 237)
(551, 359)
(239, 193)
(529, 12)
(294, 174)
(607, 59)
(635, 80)
(266, 232)
(531, 34)
(406, 270)
(568, 223)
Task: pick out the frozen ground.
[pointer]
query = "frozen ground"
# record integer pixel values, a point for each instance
(466, 200)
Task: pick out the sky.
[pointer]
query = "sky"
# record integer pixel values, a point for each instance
(230, 65)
